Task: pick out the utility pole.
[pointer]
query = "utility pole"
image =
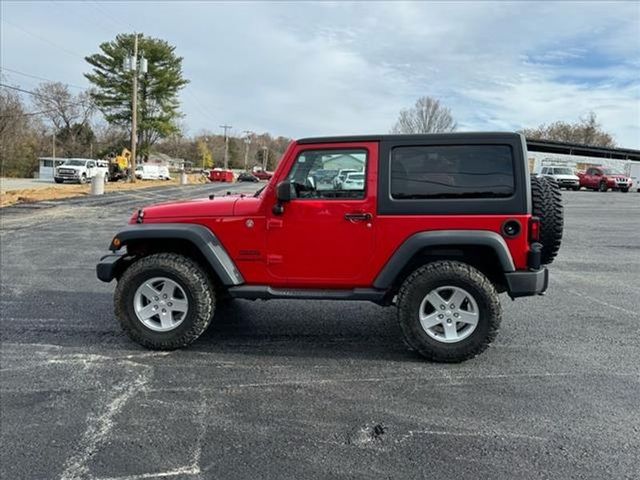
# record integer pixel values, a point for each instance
(226, 146)
(54, 146)
(265, 156)
(247, 144)
(134, 109)
(131, 65)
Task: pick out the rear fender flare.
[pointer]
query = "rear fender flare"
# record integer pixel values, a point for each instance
(418, 241)
(201, 237)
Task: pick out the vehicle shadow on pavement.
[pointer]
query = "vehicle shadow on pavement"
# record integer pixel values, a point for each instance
(351, 330)
(322, 329)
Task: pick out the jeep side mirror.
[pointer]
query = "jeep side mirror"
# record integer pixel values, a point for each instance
(283, 191)
(283, 194)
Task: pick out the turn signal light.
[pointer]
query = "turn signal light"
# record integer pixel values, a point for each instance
(534, 229)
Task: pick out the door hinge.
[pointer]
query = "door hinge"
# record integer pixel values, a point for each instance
(274, 223)
(274, 259)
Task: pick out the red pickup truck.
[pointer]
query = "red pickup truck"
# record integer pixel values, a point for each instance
(603, 179)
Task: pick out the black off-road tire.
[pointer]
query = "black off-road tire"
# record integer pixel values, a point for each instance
(624, 189)
(448, 273)
(194, 281)
(546, 201)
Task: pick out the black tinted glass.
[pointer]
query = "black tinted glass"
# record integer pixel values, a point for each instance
(470, 171)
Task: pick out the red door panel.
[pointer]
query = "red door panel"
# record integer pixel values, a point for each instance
(325, 242)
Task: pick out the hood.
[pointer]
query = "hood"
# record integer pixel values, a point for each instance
(217, 207)
(566, 177)
(70, 167)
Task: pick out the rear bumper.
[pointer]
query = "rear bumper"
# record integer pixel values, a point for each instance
(108, 266)
(527, 283)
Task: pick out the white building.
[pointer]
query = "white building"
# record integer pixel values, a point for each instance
(47, 164)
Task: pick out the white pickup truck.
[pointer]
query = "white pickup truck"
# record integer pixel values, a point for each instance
(80, 170)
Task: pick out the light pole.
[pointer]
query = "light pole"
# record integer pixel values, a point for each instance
(247, 144)
(226, 146)
(131, 65)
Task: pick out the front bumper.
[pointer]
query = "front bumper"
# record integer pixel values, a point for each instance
(109, 266)
(527, 283)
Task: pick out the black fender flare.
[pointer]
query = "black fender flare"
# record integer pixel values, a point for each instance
(201, 237)
(418, 241)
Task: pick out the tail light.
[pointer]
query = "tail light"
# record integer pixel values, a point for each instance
(534, 229)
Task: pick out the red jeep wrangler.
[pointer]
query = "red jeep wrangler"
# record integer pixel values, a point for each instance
(438, 227)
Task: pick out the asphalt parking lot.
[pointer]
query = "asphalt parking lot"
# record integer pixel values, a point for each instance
(286, 389)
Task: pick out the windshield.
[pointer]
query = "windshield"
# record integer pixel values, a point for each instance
(75, 163)
(610, 171)
(563, 171)
(355, 176)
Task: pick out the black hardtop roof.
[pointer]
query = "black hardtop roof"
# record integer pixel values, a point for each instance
(458, 136)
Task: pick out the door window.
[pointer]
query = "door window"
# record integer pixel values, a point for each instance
(329, 174)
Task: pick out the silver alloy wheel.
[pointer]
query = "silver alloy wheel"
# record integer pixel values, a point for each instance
(160, 304)
(449, 314)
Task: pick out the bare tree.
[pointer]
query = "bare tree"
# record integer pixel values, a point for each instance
(428, 115)
(69, 114)
(587, 131)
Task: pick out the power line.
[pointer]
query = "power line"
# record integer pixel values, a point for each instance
(40, 78)
(45, 97)
(104, 12)
(69, 52)
(27, 114)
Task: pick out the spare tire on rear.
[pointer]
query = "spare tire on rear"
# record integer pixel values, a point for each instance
(547, 206)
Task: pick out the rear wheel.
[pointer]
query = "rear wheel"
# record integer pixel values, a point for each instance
(164, 301)
(448, 311)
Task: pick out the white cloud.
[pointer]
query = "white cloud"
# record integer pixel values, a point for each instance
(328, 68)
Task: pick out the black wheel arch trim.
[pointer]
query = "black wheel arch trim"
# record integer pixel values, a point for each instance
(420, 240)
(201, 237)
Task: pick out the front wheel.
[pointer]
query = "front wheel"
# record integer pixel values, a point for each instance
(83, 179)
(448, 311)
(624, 190)
(602, 187)
(164, 301)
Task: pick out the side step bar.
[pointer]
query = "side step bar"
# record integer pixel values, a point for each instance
(260, 292)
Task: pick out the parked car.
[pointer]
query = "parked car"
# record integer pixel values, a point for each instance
(247, 177)
(634, 175)
(80, 170)
(262, 174)
(353, 181)
(152, 172)
(439, 252)
(565, 176)
(603, 179)
(342, 174)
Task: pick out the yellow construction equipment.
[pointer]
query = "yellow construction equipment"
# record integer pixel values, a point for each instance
(119, 165)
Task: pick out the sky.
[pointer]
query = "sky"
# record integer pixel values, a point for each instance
(308, 69)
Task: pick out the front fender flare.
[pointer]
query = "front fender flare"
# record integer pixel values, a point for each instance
(201, 237)
(418, 241)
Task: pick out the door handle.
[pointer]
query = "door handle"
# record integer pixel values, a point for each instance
(358, 217)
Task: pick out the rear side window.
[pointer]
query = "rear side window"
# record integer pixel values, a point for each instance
(452, 171)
